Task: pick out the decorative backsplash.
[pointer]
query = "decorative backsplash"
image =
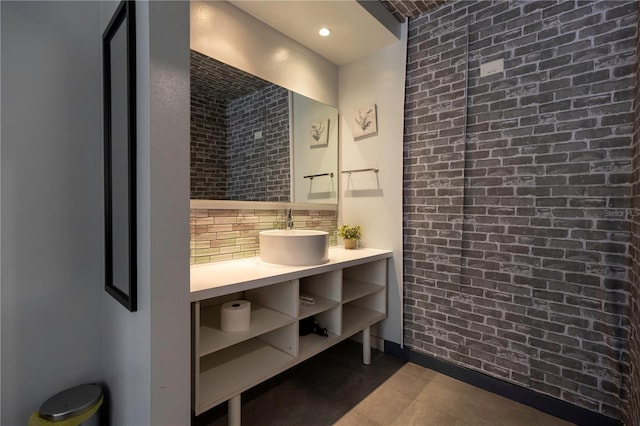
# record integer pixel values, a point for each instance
(218, 234)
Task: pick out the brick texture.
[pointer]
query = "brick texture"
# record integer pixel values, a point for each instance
(259, 167)
(633, 384)
(208, 147)
(228, 160)
(403, 9)
(517, 190)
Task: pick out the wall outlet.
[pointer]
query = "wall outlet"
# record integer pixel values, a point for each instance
(492, 67)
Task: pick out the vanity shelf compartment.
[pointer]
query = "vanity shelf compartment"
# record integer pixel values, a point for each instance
(325, 290)
(321, 304)
(281, 297)
(375, 302)
(213, 339)
(373, 272)
(326, 285)
(331, 320)
(235, 369)
(355, 318)
(354, 289)
(311, 344)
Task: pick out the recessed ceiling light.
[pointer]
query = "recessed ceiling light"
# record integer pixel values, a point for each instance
(324, 31)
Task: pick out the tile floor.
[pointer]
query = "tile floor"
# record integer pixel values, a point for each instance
(335, 388)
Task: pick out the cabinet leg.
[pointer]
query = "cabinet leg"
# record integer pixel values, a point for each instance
(234, 410)
(366, 346)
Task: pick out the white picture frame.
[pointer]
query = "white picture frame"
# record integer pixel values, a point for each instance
(364, 121)
(320, 133)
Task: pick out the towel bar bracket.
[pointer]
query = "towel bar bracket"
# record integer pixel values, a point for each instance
(361, 170)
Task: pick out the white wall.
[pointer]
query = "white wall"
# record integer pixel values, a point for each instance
(230, 35)
(146, 360)
(51, 161)
(59, 327)
(168, 243)
(372, 200)
(126, 336)
(309, 159)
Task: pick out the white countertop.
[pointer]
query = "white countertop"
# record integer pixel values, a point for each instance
(220, 278)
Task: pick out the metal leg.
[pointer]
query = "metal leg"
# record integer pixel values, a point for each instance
(366, 346)
(234, 406)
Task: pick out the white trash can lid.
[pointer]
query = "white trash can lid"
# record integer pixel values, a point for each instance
(70, 402)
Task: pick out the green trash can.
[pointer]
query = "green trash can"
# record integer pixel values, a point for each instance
(71, 407)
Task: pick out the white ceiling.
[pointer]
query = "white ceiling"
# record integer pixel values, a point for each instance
(355, 33)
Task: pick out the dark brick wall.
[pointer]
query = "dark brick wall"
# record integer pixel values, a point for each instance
(516, 190)
(208, 146)
(213, 84)
(259, 171)
(228, 106)
(633, 385)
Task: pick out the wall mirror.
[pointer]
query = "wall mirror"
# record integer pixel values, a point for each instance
(252, 140)
(119, 108)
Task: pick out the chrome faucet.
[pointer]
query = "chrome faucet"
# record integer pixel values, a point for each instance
(289, 220)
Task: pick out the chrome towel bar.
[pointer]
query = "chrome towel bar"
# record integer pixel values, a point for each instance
(361, 170)
(318, 175)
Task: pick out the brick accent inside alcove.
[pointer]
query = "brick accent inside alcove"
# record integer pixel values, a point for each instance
(239, 134)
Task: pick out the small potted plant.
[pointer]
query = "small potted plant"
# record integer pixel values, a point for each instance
(350, 234)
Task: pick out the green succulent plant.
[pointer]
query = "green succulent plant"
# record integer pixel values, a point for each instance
(349, 232)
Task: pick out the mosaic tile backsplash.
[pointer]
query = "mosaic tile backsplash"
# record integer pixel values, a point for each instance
(218, 234)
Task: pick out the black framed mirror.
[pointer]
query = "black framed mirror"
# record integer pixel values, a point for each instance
(119, 106)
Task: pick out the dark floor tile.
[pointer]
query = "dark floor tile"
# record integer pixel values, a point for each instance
(291, 404)
(317, 392)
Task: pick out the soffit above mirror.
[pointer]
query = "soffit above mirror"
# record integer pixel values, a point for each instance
(403, 9)
(221, 81)
(355, 31)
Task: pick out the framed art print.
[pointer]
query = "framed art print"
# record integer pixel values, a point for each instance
(364, 122)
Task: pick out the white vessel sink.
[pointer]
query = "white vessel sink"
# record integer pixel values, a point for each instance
(295, 247)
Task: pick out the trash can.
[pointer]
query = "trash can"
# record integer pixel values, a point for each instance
(71, 407)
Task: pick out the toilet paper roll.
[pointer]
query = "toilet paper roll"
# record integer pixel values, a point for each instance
(235, 315)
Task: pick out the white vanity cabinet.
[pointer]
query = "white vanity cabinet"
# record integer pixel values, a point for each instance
(349, 295)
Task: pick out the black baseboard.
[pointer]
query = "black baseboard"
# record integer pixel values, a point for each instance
(544, 403)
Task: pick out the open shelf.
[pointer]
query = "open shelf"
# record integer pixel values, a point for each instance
(353, 289)
(321, 304)
(227, 372)
(212, 338)
(355, 318)
(311, 344)
(347, 300)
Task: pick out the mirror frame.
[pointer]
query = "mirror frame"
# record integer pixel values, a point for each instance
(123, 208)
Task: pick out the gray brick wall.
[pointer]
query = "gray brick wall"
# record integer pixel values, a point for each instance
(259, 168)
(633, 384)
(208, 146)
(516, 192)
(228, 107)
(213, 84)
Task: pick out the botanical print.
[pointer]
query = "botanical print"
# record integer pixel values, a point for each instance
(320, 133)
(365, 122)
